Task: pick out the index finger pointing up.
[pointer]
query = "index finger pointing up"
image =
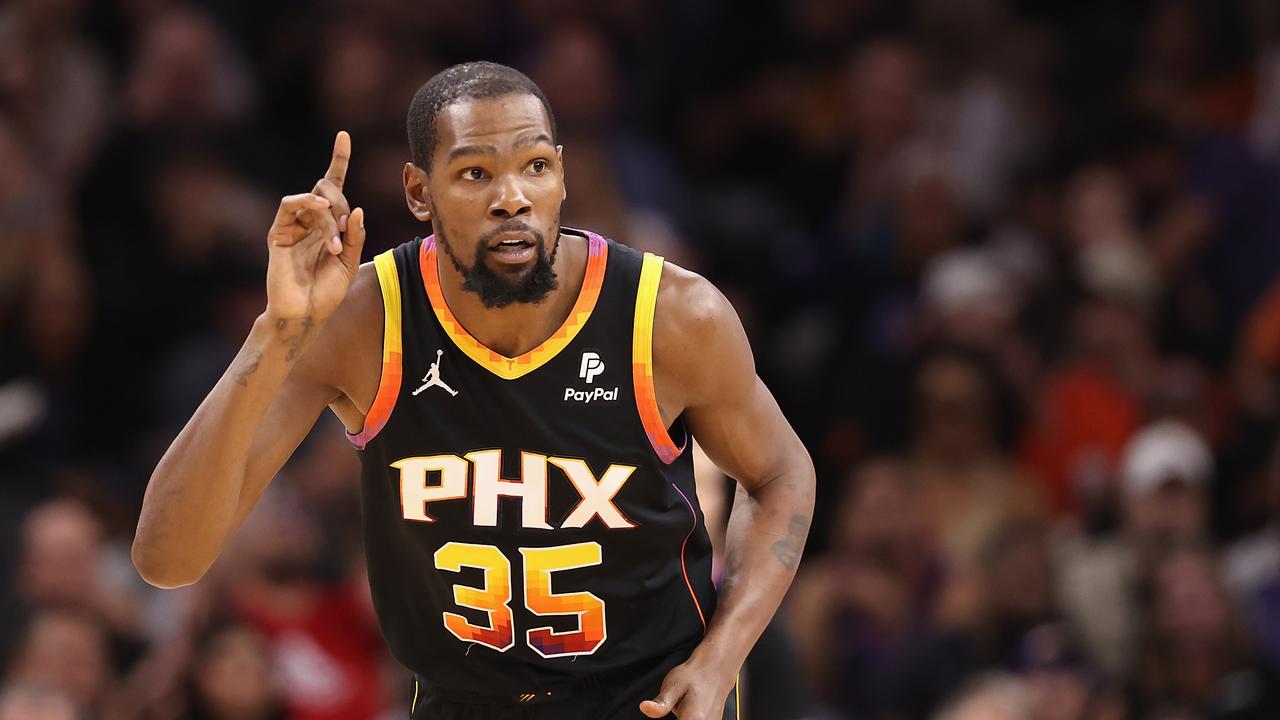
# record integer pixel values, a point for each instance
(337, 171)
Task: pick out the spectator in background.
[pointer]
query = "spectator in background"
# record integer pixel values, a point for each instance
(231, 676)
(22, 201)
(991, 697)
(980, 110)
(967, 483)
(1258, 362)
(183, 127)
(35, 702)
(972, 298)
(1252, 570)
(62, 565)
(236, 296)
(356, 86)
(1165, 474)
(884, 90)
(1060, 682)
(324, 644)
(186, 77)
(1264, 123)
(1253, 562)
(928, 219)
(202, 235)
(969, 300)
(67, 650)
(1003, 696)
(1252, 500)
(1210, 226)
(45, 319)
(54, 327)
(857, 608)
(901, 259)
(1195, 656)
(61, 545)
(1012, 596)
(1091, 403)
(370, 56)
(55, 86)
(321, 473)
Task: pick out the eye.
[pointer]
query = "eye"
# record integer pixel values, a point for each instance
(473, 174)
(539, 166)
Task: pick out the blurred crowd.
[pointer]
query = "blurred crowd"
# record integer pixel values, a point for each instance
(1011, 268)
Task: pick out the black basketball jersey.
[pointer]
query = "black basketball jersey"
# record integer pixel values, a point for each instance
(529, 522)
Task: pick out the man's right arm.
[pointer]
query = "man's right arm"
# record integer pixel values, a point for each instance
(243, 432)
(301, 355)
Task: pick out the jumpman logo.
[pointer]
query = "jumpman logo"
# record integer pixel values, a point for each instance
(432, 378)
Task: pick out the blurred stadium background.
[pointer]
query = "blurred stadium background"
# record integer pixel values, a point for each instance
(1009, 266)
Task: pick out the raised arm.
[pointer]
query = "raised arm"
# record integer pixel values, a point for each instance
(298, 358)
(705, 370)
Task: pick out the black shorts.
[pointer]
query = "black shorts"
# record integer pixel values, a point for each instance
(619, 700)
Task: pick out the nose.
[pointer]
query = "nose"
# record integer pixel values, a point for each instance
(509, 200)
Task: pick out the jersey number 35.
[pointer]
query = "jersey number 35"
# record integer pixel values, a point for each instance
(495, 597)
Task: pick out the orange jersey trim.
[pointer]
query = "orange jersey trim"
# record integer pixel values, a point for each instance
(389, 383)
(505, 367)
(684, 568)
(642, 361)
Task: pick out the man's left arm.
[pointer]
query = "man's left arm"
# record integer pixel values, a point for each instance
(704, 370)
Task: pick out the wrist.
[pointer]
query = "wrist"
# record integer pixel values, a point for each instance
(289, 334)
(714, 657)
(286, 325)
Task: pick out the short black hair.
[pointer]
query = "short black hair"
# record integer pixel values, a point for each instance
(469, 80)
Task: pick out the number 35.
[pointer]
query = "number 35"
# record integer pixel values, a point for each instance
(494, 598)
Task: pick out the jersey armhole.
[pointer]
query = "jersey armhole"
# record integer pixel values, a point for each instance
(642, 362)
(389, 383)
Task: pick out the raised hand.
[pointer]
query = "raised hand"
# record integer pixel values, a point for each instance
(314, 246)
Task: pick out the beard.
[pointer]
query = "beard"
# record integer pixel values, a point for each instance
(498, 290)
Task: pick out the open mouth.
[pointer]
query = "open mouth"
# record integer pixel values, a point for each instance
(514, 249)
(512, 243)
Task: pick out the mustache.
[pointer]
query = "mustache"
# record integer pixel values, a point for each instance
(509, 226)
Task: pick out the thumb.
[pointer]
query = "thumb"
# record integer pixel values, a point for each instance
(659, 708)
(354, 240)
(666, 700)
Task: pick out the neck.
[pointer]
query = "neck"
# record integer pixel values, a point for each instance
(519, 327)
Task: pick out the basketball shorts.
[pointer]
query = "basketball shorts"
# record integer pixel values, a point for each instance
(616, 700)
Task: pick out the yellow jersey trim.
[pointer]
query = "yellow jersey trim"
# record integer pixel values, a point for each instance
(392, 354)
(642, 361)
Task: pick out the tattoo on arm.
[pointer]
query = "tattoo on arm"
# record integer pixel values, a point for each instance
(298, 342)
(243, 372)
(788, 550)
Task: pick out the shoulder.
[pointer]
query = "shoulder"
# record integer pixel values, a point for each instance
(361, 307)
(689, 306)
(364, 297)
(347, 354)
(698, 340)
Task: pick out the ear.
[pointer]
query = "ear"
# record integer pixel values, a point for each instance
(415, 192)
(564, 191)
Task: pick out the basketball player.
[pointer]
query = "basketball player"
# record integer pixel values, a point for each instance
(523, 397)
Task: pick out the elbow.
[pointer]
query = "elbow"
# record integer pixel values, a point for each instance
(160, 571)
(807, 474)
